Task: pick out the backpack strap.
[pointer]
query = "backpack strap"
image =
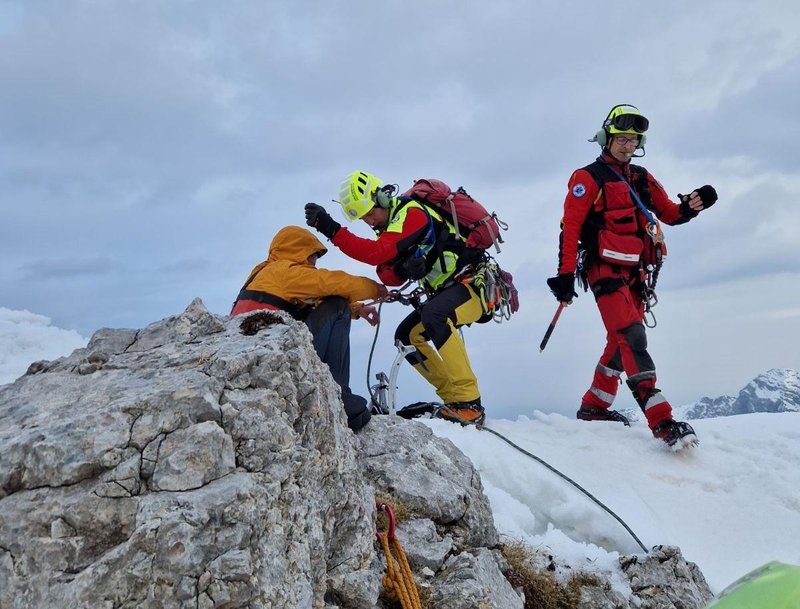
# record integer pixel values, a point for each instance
(437, 241)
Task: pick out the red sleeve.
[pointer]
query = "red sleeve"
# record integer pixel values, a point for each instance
(389, 243)
(581, 195)
(667, 211)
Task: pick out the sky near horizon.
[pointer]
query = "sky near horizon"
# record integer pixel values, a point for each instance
(148, 153)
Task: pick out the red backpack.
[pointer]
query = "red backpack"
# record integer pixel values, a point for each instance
(469, 217)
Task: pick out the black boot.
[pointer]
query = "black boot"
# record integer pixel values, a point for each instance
(601, 414)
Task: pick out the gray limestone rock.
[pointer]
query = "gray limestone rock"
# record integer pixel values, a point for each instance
(430, 475)
(423, 545)
(663, 579)
(472, 580)
(183, 465)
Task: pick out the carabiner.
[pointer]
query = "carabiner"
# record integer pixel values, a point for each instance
(653, 229)
(390, 532)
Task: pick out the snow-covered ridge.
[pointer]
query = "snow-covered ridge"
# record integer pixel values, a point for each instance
(777, 390)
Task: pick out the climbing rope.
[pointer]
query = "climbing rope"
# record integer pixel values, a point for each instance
(571, 481)
(398, 580)
(373, 398)
(568, 479)
(412, 298)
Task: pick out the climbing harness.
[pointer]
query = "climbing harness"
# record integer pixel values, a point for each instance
(398, 581)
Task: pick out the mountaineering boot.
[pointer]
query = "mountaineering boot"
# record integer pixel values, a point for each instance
(466, 413)
(676, 434)
(601, 414)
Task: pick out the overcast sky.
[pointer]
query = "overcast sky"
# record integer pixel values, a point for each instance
(150, 151)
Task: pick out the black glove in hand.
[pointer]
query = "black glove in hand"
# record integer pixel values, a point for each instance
(563, 287)
(317, 217)
(707, 195)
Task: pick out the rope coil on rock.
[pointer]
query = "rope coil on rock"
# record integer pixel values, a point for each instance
(398, 580)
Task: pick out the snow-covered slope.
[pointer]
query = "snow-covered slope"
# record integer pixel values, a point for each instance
(731, 504)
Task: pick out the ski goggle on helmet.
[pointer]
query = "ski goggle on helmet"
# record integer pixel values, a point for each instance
(625, 119)
(358, 194)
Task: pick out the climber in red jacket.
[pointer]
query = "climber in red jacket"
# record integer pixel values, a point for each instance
(416, 244)
(611, 238)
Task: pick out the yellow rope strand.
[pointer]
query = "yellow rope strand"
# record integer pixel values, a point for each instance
(399, 581)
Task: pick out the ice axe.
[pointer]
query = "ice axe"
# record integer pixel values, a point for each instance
(551, 327)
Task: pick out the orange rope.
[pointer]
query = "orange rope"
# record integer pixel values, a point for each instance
(398, 580)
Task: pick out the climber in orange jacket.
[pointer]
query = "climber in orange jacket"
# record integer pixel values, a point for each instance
(288, 280)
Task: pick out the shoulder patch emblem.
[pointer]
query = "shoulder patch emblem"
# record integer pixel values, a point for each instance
(579, 190)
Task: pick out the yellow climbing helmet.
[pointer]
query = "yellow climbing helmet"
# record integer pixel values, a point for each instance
(623, 118)
(357, 194)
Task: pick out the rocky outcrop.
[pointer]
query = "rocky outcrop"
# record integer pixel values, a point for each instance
(187, 465)
(183, 465)
(664, 579)
(451, 528)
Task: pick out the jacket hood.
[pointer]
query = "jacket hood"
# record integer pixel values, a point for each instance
(295, 244)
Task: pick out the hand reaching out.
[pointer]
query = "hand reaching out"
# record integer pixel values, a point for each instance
(369, 313)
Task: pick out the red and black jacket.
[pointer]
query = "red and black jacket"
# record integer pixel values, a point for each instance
(599, 191)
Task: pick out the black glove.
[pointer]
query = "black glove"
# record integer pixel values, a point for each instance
(707, 195)
(563, 287)
(317, 217)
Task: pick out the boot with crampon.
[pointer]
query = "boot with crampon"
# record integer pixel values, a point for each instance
(676, 434)
(586, 413)
(466, 413)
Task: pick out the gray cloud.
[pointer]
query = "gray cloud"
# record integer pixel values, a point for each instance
(43, 270)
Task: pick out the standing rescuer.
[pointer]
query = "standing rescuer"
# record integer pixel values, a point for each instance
(610, 234)
(415, 244)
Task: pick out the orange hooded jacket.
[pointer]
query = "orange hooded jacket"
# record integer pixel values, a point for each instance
(288, 274)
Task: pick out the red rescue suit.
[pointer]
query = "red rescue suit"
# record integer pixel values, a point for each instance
(602, 218)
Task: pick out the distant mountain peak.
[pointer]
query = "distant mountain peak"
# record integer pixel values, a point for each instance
(776, 390)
